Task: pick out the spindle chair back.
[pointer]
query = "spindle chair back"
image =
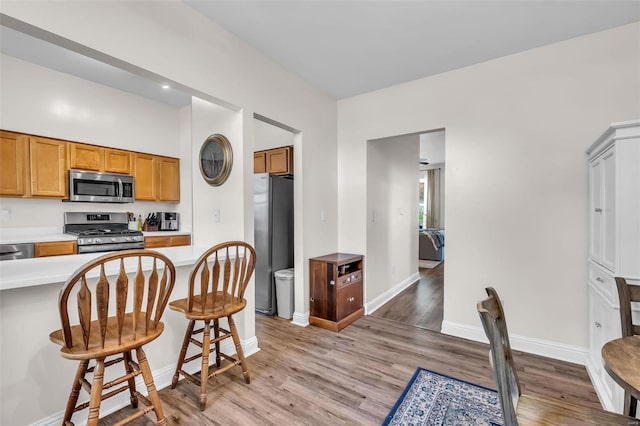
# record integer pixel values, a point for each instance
(115, 315)
(217, 284)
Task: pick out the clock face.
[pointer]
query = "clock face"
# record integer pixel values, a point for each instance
(216, 158)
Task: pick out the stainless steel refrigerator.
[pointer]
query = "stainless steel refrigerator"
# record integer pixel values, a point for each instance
(273, 228)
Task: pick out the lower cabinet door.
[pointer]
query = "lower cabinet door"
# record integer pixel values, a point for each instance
(349, 299)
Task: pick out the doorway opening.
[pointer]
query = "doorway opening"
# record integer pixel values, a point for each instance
(273, 212)
(405, 228)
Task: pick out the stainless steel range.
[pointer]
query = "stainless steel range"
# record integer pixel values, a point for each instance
(102, 232)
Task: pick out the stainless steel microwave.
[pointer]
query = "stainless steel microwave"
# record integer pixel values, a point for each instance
(100, 187)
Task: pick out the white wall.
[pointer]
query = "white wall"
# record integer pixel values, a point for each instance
(41, 101)
(267, 136)
(392, 212)
(516, 209)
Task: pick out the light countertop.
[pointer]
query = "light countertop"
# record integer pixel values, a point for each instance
(57, 269)
(50, 236)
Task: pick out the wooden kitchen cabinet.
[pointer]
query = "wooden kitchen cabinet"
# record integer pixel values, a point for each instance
(336, 283)
(14, 164)
(280, 161)
(156, 178)
(117, 161)
(168, 179)
(277, 161)
(168, 241)
(144, 172)
(48, 167)
(98, 158)
(86, 157)
(259, 162)
(54, 248)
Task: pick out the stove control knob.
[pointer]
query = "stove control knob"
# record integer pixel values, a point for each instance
(97, 241)
(114, 240)
(129, 239)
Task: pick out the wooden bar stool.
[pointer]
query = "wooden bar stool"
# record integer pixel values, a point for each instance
(106, 328)
(215, 292)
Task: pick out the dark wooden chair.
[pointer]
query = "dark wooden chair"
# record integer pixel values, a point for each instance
(106, 328)
(628, 293)
(518, 409)
(215, 292)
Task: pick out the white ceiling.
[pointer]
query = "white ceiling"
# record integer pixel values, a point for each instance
(353, 47)
(36, 51)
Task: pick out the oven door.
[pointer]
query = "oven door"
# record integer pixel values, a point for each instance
(100, 187)
(96, 248)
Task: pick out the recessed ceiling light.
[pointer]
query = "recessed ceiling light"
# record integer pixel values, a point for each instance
(165, 86)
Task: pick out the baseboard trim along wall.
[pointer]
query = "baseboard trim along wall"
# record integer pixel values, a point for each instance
(569, 353)
(376, 303)
(605, 397)
(162, 379)
(300, 319)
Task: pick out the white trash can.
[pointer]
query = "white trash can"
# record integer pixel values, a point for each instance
(284, 292)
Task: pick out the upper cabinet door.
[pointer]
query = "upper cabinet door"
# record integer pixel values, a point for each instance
(117, 161)
(169, 179)
(14, 164)
(609, 210)
(595, 213)
(144, 171)
(86, 157)
(280, 161)
(260, 162)
(48, 162)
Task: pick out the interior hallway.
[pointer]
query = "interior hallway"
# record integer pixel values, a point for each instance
(421, 303)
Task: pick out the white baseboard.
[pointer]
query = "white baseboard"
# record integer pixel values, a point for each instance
(300, 319)
(605, 397)
(376, 303)
(161, 377)
(569, 353)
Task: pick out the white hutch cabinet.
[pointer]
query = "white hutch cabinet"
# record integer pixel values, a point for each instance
(614, 243)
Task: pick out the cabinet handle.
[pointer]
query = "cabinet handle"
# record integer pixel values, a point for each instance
(598, 325)
(312, 299)
(332, 282)
(599, 280)
(598, 210)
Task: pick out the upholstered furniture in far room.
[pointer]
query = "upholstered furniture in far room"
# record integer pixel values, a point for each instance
(431, 244)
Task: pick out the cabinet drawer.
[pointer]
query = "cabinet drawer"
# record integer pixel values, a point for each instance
(153, 242)
(56, 248)
(604, 281)
(348, 300)
(349, 278)
(180, 240)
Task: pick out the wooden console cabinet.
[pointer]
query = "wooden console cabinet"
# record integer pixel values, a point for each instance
(336, 290)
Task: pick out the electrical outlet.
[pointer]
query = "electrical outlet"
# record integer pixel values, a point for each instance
(5, 213)
(323, 216)
(216, 215)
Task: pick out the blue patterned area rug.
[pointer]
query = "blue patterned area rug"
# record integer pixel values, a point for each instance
(436, 400)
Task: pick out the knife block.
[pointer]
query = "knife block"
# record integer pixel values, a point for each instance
(149, 228)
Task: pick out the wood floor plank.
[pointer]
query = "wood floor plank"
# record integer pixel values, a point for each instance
(311, 376)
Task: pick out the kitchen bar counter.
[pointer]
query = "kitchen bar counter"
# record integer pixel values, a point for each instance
(29, 301)
(49, 270)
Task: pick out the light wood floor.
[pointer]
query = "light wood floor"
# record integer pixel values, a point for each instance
(421, 303)
(311, 376)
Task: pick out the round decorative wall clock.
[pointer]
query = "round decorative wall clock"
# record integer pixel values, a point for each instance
(216, 159)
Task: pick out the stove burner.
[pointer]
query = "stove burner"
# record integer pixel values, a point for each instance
(103, 236)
